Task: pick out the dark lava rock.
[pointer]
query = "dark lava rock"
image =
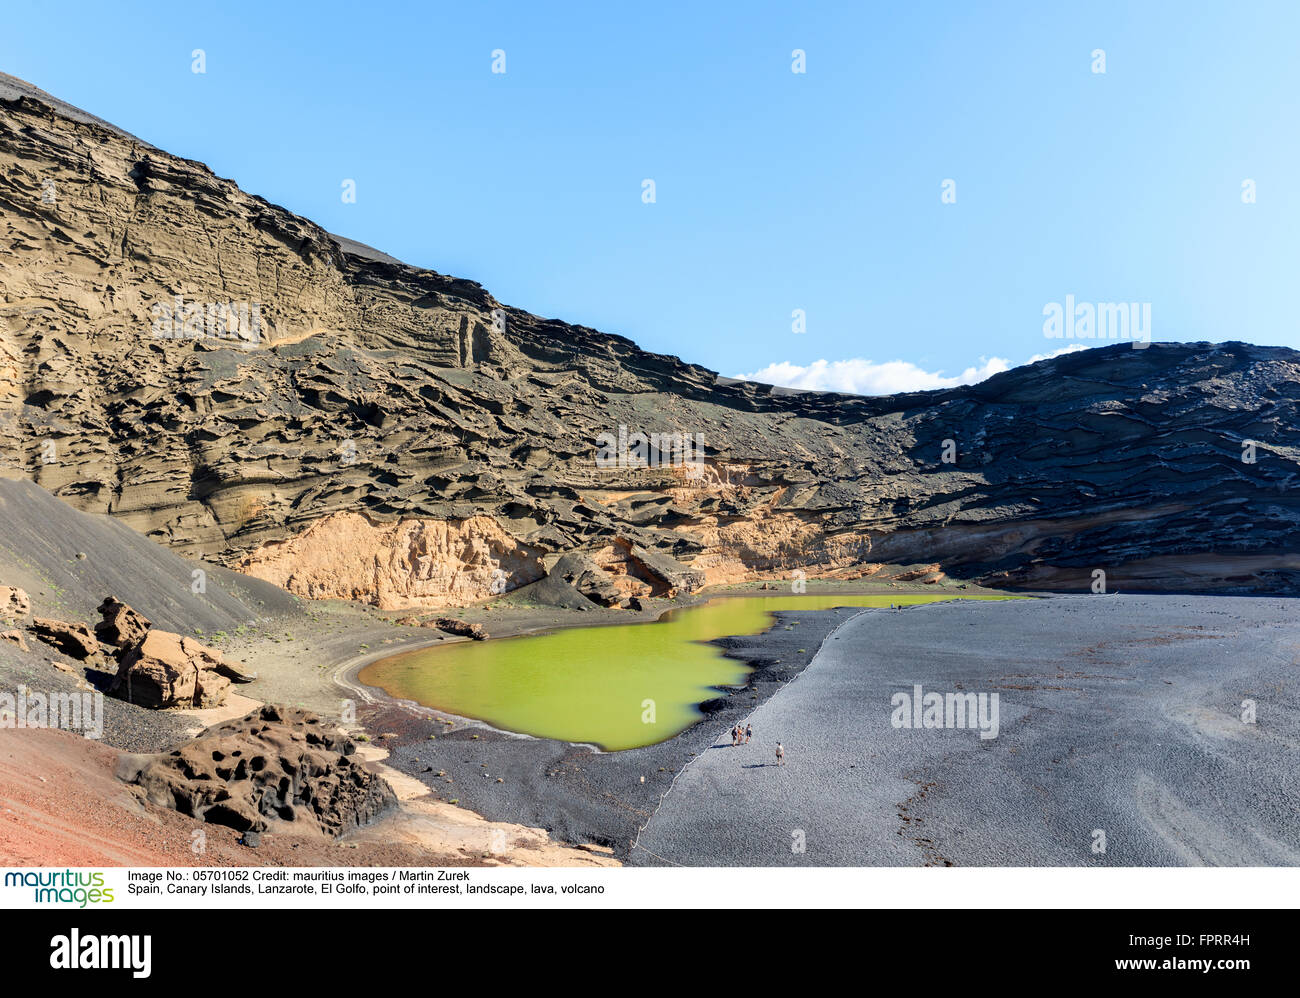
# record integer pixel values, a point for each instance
(454, 625)
(588, 578)
(277, 767)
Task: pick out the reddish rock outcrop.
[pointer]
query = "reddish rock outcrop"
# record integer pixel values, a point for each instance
(169, 670)
(122, 626)
(74, 640)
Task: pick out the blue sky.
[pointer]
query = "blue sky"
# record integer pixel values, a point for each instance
(774, 190)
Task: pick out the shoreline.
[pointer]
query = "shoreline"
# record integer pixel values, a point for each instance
(636, 841)
(346, 674)
(561, 803)
(578, 793)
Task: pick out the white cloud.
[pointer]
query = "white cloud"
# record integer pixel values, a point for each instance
(1072, 348)
(866, 377)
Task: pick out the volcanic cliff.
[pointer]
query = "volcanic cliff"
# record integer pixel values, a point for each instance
(234, 381)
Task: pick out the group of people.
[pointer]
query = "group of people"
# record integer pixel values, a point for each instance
(741, 736)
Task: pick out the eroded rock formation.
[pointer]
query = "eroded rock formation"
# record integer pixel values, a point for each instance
(72, 639)
(14, 602)
(277, 768)
(121, 626)
(396, 435)
(589, 578)
(170, 670)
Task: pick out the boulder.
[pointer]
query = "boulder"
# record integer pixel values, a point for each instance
(669, 576)
(210, 660)
(14, 602)
(122, 626)
(74, 640)
(588, 578)
(925, 574)
(16, 637)
(454, 625)
(277, 768)
(169, 670)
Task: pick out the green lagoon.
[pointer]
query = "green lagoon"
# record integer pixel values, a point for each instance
(591, 684)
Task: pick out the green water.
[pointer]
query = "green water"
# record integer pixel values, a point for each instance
(590, 684)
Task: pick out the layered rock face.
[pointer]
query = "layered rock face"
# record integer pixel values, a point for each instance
(401, 563)
(377, 431)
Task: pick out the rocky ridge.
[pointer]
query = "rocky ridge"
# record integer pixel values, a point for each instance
(399, 436)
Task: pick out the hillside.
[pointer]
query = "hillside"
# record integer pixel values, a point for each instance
(395, 435)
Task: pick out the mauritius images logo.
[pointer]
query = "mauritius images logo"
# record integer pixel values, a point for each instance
(79, 887)
(1086, 320)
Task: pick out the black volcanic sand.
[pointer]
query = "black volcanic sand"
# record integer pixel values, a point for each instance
(575, 792)
(1120, 716)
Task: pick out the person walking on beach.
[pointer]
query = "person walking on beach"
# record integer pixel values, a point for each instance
(735, 735)
(780, 754)
(749, 733)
